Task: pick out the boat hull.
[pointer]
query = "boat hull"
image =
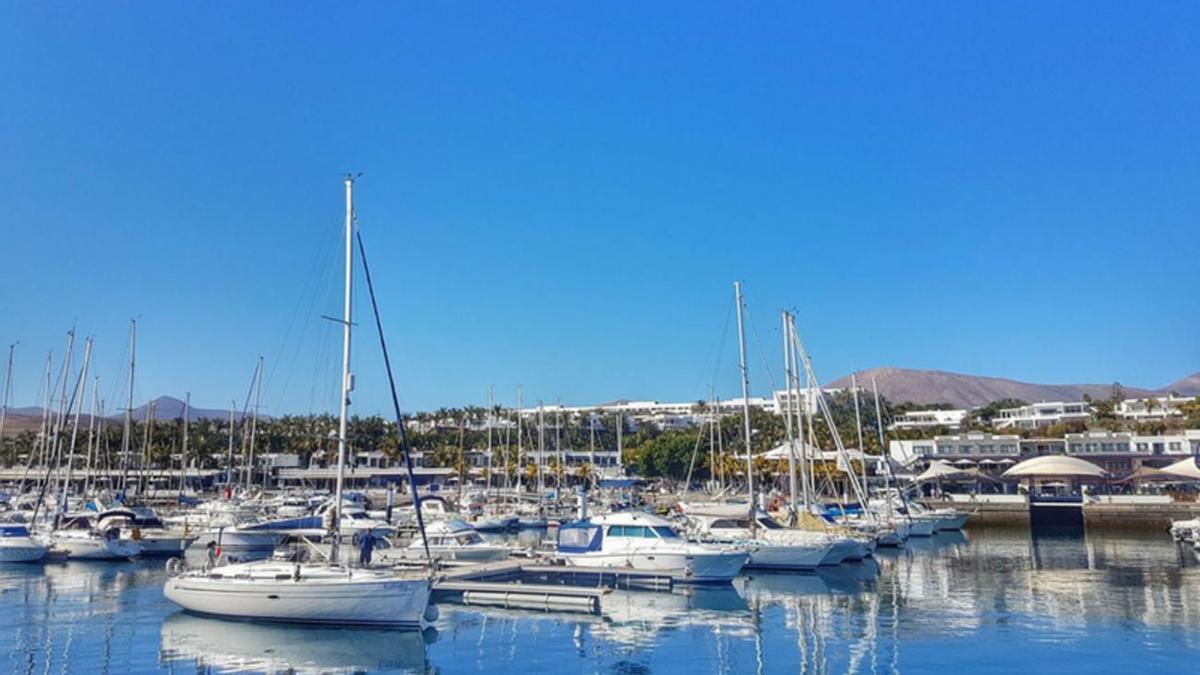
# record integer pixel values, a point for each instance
(698, 568)
(27, 551)
(387, 602)
(96, 548)
(787, 557)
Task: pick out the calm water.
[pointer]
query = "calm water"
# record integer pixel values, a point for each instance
(991, 600)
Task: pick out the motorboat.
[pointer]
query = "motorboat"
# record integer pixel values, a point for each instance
(646, 543)
(152, 534)
(305, 593)
(448, 540)
(88, 536)
(770, 545)
(17, 544)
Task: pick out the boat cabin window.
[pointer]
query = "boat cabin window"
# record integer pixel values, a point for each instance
(638, 531)
(731, 524)
(666, 532)
(469, 538)
(769, 523)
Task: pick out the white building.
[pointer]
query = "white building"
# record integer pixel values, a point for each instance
(1042, 414)
(1152, 408)
(928, 419)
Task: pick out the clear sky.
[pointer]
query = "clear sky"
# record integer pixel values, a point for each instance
(560, 195)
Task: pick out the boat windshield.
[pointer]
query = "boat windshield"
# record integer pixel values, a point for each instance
(666, 532)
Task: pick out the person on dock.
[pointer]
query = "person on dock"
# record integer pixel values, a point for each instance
(366, 547)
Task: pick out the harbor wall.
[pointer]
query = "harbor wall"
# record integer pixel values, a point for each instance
(1109, 516)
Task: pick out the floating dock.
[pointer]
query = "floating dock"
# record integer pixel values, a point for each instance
(514, 584)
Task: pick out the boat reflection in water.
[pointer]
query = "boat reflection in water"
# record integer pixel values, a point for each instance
(639, 617)
(240, 646)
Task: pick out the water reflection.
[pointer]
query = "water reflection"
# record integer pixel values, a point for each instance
(236, 646)
(996, 598)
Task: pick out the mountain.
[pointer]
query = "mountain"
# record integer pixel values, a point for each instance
(171, 408)
(969, 391)
(1188, 386)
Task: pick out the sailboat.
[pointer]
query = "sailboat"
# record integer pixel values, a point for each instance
(17, 544)
(320, 593)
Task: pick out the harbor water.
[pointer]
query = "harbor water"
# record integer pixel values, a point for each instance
(988, 600)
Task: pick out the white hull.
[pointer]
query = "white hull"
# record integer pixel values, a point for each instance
(838, 553)
(97, 548)
(269, 592)
(165, 544)
(787, 557)
(28, 550)
(697, 568)
(950, 522)
(921, 527)
(242, 541)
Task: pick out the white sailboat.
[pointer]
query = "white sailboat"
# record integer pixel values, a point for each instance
(323, 593)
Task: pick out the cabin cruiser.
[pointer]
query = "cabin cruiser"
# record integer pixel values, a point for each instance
(770, 545)
(646, 543)
(17, 544)
(152, 534)
(448, 540)
(88, 536)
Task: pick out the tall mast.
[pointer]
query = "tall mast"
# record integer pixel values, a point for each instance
(787, 413)
(229, 454)
(60, 418)
(801, 404)
(183, 455)
(883, 457)
(520, 413)
(147, 440)
(488, 421)
(620, 446)
(7, 393)
(541, 456)
(737, 290)
(93, 438)
(861, 448)
(76, 403)
(254, 420)
(347, 381)
(128, 433)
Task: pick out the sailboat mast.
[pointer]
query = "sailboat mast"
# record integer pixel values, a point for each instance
(347, 381)
(488, 420)
(737, 290)
(93, 439)
(254, 421)
(7, 393)
(128, 433)
(183, 455)
(229, 453)
(520, 413)
(861, 448)
(76, 403)
(787, 414)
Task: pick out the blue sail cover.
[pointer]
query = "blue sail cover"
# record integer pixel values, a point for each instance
(14, 531)
(579, 537)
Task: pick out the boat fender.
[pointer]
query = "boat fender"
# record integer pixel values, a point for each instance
(136, 535)
(431, 613)
(174, 565)
(296, 572)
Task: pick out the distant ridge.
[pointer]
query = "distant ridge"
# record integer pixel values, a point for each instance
(165, 408)
(907, 385)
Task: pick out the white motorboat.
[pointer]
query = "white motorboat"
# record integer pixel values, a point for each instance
(17, 544)
(155, 538)
(304, 593)
(88, 537)
(770, 545)
(448, 540)
(647, 543)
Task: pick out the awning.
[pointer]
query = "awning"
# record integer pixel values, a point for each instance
(1184, 468)
(1059, 466)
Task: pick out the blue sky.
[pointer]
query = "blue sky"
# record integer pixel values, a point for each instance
(560, 195)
